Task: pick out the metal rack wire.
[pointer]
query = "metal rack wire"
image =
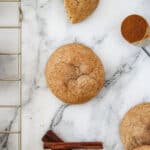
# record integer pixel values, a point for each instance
(19, 78)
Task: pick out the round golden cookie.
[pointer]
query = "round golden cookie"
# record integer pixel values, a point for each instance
(74, 73)
(135, 127)
(145, 147)
(78, 10)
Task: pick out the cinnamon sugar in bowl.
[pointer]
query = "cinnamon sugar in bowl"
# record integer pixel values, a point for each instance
(135, 28)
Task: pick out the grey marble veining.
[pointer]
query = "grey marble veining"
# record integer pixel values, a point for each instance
(46, 27)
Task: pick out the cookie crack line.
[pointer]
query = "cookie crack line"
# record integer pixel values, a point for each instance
(80, 73)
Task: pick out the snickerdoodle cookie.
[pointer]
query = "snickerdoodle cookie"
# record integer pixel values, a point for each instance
(78, 10)
(74, 73)
(135, 127)
(145, 147)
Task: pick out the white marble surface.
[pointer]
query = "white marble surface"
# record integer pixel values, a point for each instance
(46, 27)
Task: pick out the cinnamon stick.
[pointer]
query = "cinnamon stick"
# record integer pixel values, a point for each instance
(50, 136)
(72, 145)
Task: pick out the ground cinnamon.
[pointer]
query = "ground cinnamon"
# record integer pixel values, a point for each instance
(134, 28)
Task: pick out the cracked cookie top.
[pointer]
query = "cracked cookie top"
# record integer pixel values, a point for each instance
(74, 73)
(135, 127)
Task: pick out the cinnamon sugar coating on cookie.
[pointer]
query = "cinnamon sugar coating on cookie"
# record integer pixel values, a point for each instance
(74, 73)
(144, 147)
(135, 127)
(78, 10)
